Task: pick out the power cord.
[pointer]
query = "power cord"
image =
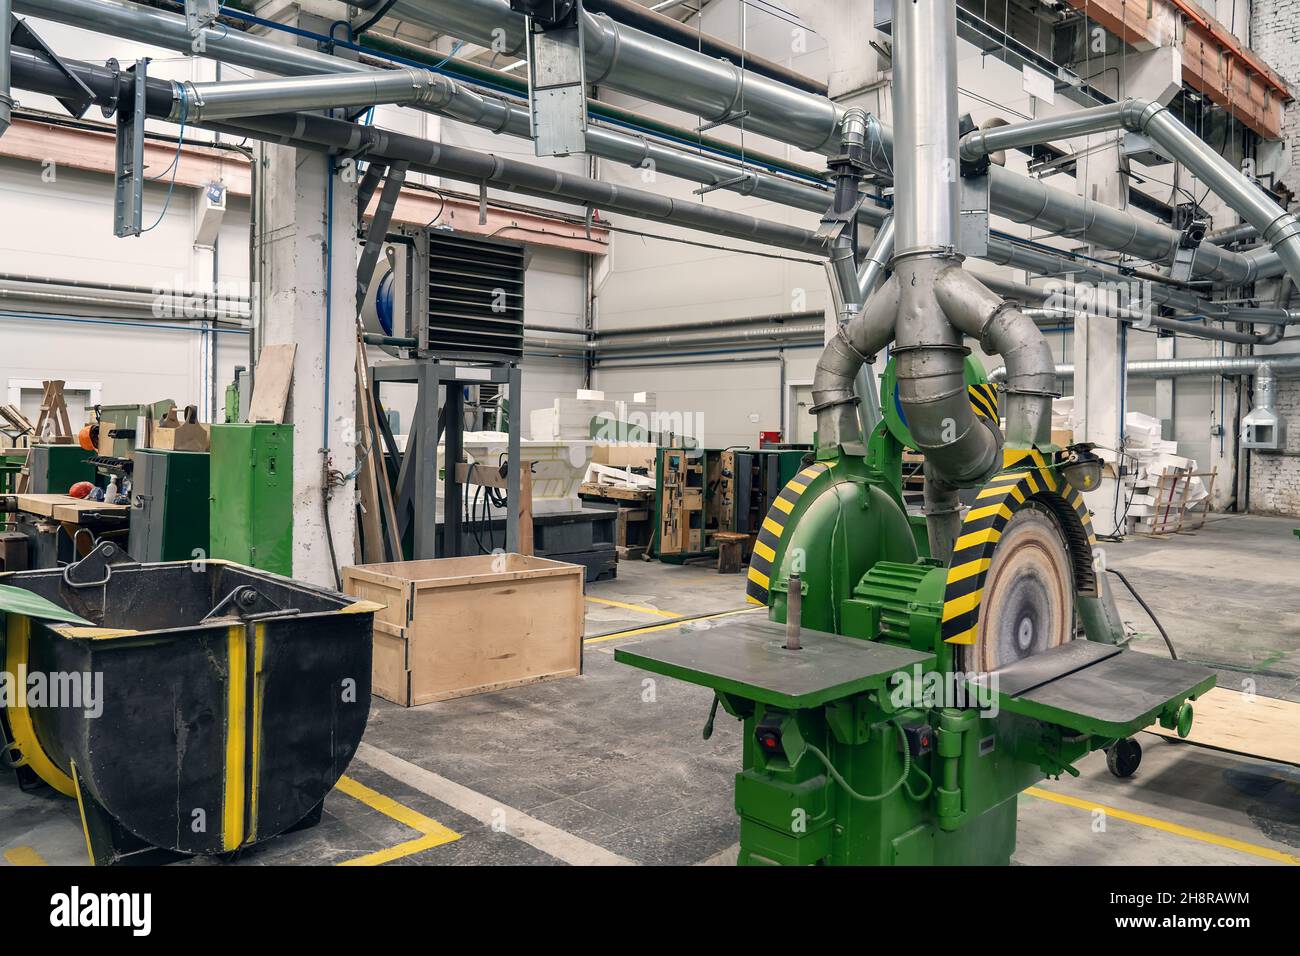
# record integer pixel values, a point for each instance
(1150, 613)
(900, 782)
(176, 160)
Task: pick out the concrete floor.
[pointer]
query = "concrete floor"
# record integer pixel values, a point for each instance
(610, 767)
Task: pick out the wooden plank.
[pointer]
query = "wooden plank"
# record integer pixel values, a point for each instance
(371, 531)
(63, 507)
(1262, 727)
(271, 384)
(525, 507)
(595, 490)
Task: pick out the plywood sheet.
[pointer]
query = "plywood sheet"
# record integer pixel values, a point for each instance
(1252, 726)
(274, 376)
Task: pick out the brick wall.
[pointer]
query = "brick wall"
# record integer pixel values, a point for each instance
(1275, 477)
(1275, 36)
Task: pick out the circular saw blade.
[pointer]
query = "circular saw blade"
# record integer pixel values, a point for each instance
(1028, 602)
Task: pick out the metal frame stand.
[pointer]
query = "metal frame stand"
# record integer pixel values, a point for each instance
(416, 497)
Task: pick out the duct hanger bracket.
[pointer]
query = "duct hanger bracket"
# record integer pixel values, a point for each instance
(834, 223)
(557, 75)
(201, 14)
(973, 222)
(128, 171)
(81, 100)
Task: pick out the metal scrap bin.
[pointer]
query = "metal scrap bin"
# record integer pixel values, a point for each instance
(231, 702)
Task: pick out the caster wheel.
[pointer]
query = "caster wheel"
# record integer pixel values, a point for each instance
(1124, 757)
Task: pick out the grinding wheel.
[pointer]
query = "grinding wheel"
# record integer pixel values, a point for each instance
(1027, 604)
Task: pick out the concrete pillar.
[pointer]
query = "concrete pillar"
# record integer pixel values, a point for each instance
(308, 255)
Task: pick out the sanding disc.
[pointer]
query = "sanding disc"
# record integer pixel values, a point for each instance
(1028, 602)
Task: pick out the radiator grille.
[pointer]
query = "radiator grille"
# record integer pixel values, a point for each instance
(476, 297)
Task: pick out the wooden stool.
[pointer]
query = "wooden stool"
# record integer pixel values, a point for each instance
(731, 551)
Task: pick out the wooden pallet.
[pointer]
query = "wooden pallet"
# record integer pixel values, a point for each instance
(1173, 513)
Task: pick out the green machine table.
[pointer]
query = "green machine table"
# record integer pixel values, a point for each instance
(844, 764)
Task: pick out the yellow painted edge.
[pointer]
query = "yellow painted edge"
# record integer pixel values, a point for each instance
(1177, 829)
(750, 599)
(971, 568)
(632, 607)
(773, 527)
(759, 578)
(73, 631)
(782, 504)
(959, 606)
(965, 637)
(363, 607)
(20, 720)
(81, 810)
(432, 833)
(672, 625)
(24, 856)
(764, 552)
(987, 536)
(794, 484)
(259, 689)
(975, 514)
(232, 809)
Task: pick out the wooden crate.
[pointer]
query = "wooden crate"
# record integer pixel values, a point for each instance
(458, 626)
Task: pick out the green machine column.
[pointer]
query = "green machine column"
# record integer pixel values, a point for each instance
(252, 495)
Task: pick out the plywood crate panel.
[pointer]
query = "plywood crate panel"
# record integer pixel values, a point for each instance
(458, 626)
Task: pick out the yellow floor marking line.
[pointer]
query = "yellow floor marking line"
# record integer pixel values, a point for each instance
(1177, 829)
(432, 832)
(24, 856)
(670, 626)
(633, 607)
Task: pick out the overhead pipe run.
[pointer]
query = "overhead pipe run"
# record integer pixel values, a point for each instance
(633, 61)
(648, 19)
(156, 27)
(658, 70)
(1282, 363)
(663, 72)
(196, 102)
(1277, 227)
(312, 131)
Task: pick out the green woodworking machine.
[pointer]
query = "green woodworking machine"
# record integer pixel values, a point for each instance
(917, 672)
(895, 705)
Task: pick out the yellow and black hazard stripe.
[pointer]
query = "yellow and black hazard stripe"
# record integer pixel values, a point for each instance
(769, 535)
(1024, 477)
(984, 399)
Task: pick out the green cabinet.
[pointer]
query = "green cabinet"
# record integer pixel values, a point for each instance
(169, 505)
(56, 468)
(252, 495)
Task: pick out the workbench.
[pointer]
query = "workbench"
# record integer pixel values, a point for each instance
(52, 524)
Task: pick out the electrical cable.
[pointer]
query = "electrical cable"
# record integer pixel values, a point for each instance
(1146, 607)
(176, 160)
(378, 15)
(900, 782)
